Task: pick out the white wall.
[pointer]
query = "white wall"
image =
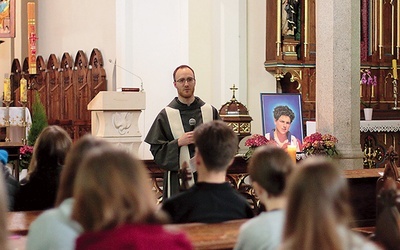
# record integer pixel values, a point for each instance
(259, 80)
(69, 26)
(223, 40)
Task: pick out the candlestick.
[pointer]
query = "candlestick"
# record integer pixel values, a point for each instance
(291, 149)
(398, 25)
(394, 64)
(305, 27)
(23, 90)
(278, 26)
(31, 38)
(380, 28)
(7, 90)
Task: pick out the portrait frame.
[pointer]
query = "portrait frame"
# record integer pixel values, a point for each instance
(7, 19)
(271, 100)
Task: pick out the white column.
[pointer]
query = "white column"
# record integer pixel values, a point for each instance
(337, 65)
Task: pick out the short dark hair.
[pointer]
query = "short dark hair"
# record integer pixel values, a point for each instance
(283, 110)
(182, 67)
(217, 144)
(270, 166)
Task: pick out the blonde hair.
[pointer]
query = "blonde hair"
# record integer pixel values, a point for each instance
(72, 161)
(318, 202)
(112, 188)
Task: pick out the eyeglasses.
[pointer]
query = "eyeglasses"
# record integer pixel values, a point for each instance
(188, 80)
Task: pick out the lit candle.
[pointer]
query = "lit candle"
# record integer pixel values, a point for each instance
(23, 90)
(291, 149)
(31, 38)
(7, 90)
(394, 64)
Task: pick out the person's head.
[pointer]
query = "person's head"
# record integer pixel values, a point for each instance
(217, 145)
(184, 82)
(283, 118)
(318, 202)
(269, 168)
(50, 150)
(111, 189)
(74, 157)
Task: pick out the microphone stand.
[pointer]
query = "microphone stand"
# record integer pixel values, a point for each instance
(130, 72)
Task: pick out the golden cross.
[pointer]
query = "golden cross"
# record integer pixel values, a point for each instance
(233, 90)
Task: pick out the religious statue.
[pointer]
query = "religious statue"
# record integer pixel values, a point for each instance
(289, 17)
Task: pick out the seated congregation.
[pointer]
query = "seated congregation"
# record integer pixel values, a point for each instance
(101, 198)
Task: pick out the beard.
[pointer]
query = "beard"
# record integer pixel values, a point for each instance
(186, 93)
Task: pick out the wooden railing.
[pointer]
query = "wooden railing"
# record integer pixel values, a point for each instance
(362, 183)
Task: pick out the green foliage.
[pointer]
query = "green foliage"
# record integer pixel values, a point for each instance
(39, 119)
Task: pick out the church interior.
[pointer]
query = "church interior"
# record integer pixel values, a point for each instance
(96, 64)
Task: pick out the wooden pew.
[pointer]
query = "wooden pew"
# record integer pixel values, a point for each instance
(18, 222)
(203, 236)
(211, 236)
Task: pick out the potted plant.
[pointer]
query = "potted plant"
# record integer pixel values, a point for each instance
(370, 81)
(39, 122)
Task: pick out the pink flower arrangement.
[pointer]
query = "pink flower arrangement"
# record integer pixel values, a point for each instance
(256, 140)
(253, 142)
(318, 144)
(368, 80)
(25, 155)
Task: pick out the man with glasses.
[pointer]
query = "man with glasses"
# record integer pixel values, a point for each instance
(171, 135)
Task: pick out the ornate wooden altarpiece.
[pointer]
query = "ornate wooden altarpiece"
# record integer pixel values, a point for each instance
(291, 52)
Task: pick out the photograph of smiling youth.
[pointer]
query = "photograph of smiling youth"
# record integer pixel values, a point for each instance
(171, 134)
(283, 117)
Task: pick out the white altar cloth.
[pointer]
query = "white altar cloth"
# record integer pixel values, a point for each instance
(16, 122)
(365, 126)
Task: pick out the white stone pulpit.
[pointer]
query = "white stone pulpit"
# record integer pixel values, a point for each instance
(115, 118)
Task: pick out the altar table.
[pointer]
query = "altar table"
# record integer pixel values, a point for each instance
(376, 136)
(16, 122)
(365, 126)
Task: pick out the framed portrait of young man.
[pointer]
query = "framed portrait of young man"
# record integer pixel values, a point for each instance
(282, 119)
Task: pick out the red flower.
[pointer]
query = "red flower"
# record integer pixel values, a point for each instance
(256, 140)
(26, 150)
(320, 144)
(25, 155)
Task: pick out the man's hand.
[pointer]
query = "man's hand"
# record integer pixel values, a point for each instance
(186, 139)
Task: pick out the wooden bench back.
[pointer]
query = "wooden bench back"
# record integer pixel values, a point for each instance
(387, 228)
(390, 172)
(65, 86)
